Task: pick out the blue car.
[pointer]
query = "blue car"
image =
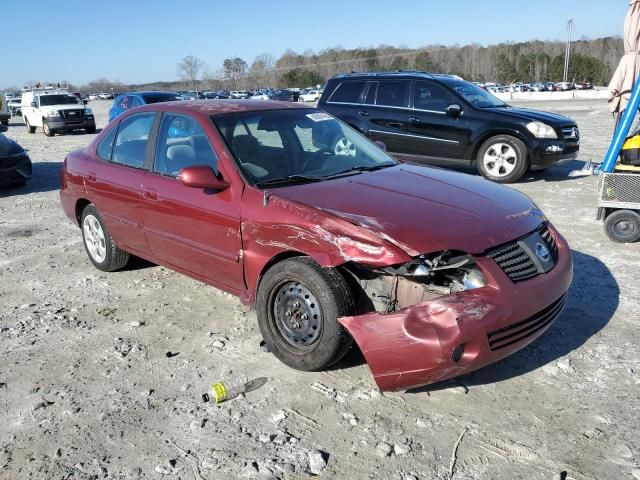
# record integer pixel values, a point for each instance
(136, 99)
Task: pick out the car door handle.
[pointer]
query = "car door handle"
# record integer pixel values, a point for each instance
(394, 125)
(414, 120)
(150, 194)
(364, 113)
(92, 177)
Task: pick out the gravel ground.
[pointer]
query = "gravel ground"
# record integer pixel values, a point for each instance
(101, 375)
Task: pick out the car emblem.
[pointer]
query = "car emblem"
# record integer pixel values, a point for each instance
(543, 252)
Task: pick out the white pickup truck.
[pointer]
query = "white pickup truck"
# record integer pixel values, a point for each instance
(56, 111)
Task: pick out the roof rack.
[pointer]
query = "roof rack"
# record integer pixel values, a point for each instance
(385, 73)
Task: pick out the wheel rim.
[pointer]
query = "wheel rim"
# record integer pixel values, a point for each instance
(297, 314)
(345, 147)
(500, 159)
(94, 238)
(45, 127)
(624, 229)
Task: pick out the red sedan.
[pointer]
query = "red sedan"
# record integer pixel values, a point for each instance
(433, 273)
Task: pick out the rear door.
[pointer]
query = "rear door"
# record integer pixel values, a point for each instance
(386, 105)
(194, 229)
(435, 133)
(114, 184)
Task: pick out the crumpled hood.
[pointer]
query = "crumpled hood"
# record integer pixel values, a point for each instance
(552, 119)
(8, 147)
(424, 209)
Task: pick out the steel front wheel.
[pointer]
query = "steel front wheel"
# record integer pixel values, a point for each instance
(102, 250)
(46, 129)
(623, 226)
(502, 159)
(298, 306)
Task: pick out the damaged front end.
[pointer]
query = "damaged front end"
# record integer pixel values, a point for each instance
(432, 319)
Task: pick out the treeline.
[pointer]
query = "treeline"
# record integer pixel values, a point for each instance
(591, 60)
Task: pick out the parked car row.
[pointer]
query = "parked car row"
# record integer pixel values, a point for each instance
(534, 87)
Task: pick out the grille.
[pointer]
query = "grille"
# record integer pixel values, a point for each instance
(620, 188)
(571, 133)
(72, 114)
(516, 262)
(519, 331)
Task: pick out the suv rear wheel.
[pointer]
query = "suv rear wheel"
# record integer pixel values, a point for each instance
(502, 159)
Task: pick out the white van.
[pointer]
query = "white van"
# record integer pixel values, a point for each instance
(55, 110)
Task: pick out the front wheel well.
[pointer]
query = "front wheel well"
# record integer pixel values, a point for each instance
(481, 141)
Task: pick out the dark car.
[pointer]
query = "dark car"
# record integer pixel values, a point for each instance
(285, 96)
(433, 273)
(15, 164)
(215, 95)
(446, 120)
(126, 101)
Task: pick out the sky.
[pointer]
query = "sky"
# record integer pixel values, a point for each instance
(139, 41)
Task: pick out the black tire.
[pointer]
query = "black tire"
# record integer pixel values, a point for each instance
(334, 299)
(114, 258)
(30, 129)
(46, 130)
(91, 130)
(513, 149)
(623, 226)
(5, 123)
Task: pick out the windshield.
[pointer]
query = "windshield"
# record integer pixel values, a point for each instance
(475, 95)
(160, 97)
(281, 147)
(66, 99)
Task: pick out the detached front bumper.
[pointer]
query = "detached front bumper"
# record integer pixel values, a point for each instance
(15, 169)
(462, 332)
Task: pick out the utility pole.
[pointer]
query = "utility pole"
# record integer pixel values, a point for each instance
(567, 52)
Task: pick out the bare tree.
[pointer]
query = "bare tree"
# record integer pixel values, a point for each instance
(189, 69)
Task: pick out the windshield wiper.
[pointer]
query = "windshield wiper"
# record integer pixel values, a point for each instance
(361, 168)
(288, 179)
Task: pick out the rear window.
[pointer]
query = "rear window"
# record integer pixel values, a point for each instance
(160, 98)
(348, 92)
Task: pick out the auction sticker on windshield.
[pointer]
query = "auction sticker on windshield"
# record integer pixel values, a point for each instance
(319, 117)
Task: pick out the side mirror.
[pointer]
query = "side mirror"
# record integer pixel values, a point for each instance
(381, 145)
(454, 110)
(34, 104)
(201, 176)
(85, 101)
(3, 128)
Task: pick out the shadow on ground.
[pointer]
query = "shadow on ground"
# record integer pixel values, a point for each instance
(45, 178)
(593, 301)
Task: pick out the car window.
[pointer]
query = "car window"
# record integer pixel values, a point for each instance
(106, 144)
(370, 99)
(135, 102)
(131, 142)
(393, 93)
(348, 92)
(431, 96)
(182, 143)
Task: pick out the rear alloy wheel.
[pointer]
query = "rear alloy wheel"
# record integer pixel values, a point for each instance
(298, 306)
(623, 226)
(102, 250)
(502, 159)
(46, 129)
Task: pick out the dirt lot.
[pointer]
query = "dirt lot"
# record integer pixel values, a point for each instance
(87, 389)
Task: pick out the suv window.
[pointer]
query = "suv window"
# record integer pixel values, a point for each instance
(132, 139)
(431, 96)
(106, 144)
(393, 93)
(370, 99)
(182, 143)
(348, 92)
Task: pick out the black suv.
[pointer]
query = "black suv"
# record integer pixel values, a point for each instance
(442, 119)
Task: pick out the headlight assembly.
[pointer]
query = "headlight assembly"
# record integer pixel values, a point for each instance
(542, 130)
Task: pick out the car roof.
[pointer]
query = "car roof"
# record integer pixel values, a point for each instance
(219, 107)
(397, 74)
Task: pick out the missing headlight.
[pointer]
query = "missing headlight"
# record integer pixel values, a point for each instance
(423, 279)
